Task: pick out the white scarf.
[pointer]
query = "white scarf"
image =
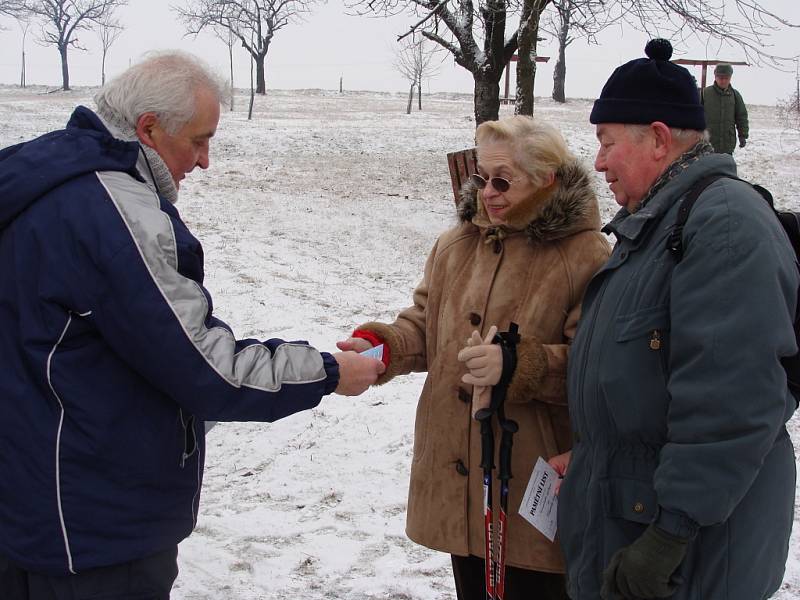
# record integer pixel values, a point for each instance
(161, 175)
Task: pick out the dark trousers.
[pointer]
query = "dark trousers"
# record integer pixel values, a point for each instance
(148, 578)
(521, 584)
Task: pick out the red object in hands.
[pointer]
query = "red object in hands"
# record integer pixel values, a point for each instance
(375, 341)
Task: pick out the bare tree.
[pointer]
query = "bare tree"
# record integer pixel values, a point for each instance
(227, 38)
(11, 8)
(62, 19)
(24, 26)
(788, 110)
(474, 32)
(110, 30)
(743, 24)
(570, 20)
(254, 22)
(414, 60)
(252, 90)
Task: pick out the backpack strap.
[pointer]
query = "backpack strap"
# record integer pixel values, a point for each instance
(675, 239)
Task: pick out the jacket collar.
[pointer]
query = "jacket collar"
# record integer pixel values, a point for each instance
(726, 92)
(632, 225)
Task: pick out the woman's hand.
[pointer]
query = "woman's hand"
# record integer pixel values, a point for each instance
(560, 463)
(483, 359)
(481, 395)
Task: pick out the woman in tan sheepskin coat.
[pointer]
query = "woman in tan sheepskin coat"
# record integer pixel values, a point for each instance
(526, 246)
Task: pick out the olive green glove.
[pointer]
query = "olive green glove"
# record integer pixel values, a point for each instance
(643, 569)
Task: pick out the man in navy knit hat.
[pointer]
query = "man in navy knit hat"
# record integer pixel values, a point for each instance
(681, 480)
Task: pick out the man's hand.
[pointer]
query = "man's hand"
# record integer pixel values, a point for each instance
(356, 372)
(643, 570)
(353, 343)
(742, 143)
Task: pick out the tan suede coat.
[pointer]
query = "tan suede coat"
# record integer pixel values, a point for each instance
(534, 274)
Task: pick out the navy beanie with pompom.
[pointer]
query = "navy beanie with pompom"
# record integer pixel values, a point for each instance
(651, 89)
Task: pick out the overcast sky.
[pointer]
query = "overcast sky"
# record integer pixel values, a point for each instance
(329, 44)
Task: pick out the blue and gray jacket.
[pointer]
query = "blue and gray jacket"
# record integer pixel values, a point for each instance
(112, 358)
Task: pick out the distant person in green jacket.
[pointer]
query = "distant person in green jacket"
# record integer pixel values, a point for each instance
(726, 113)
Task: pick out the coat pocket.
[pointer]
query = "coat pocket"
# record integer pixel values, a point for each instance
(629, 506)
(641, 323)
(642, 341)
(635, 371)
(629, 499)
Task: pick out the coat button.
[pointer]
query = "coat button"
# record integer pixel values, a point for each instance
(461, 468)
(464, 396)
(474, 319)
(638, 507)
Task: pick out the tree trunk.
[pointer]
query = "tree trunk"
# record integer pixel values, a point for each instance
(527, 37)
(252, 91)
(62, 50)
(526, 75)
(559, 76)
(103, 69)
(560, 70)
(419, 93)
(410, 99)
(487, 96)
(230, 53)
(261, 86)
(22, 81)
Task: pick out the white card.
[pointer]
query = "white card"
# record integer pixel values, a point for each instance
(376, 352)
(540, 503)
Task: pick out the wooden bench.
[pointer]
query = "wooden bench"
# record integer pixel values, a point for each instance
(462, 164)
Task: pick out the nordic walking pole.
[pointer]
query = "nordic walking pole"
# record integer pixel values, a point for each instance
(508, 342)
(509, 428)
(484, 417)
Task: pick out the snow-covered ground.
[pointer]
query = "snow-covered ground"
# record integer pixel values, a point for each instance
(316, 216)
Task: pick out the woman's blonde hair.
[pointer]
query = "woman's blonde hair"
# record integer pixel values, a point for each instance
(538, 149)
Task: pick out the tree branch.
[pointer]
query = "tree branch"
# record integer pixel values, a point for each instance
(413, 28)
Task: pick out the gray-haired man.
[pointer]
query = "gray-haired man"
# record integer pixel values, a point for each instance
(112, 356)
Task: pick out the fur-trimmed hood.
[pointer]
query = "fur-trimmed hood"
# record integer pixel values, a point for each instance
(569, 207)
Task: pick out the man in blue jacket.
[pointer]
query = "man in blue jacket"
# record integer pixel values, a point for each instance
(681, 480)
(112, 358)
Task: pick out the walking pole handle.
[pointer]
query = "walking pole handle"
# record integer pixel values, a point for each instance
(484, 417)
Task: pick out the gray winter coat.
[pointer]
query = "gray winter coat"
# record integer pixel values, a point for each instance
(677, 396)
